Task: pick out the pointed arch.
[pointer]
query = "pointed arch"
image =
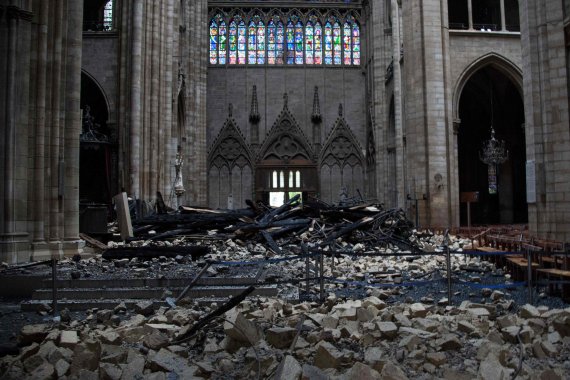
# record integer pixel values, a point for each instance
(230, 168)
(497, 61)
(286, 141)
(341, 162)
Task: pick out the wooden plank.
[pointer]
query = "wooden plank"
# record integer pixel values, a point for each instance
(94, 242)
(555, 272)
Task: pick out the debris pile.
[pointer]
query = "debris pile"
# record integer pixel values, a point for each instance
(271, 338)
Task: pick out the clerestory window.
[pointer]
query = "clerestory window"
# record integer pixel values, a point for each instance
(484, 15)
(276, 40)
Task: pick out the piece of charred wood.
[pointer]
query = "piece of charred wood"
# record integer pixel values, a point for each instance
(272, 244)
(160, 205)
(234, 301)
(148, 253)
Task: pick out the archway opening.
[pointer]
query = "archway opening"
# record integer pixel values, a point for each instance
(491, 99)
(97, 158)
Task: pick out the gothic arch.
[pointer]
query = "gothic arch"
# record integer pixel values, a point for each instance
(497, 61)
(102, 93)
(341, 163)
(286, 141)
(230, 168)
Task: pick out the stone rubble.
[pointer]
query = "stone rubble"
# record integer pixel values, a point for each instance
(371, 337)
(401, 341)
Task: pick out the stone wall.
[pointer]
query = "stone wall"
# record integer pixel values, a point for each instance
(547, 116)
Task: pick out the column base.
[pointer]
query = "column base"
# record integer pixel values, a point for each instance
(40, 251)
(14, 247)
(73, 247)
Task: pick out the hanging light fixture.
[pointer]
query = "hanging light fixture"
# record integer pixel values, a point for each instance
(493, 152)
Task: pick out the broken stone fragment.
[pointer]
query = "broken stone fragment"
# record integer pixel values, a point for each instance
(492, 369)
(86, 356)
(418, 310)
(241, 329)
(388, 330)
(280, 337)
(327, 356)
(145, 308)
(289, 368)
(449, 342)
(156, 340)
(33, 333)
(61, 368)
(313, 373)
(528, 311)
(165, 360)
(109, 371)
(120, 308)
(110, 337)
(436, 358)
(360, 371)
(392, 372)
(68, 339)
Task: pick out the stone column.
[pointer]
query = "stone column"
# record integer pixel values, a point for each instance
(428, 106)
(39, 245)
(72, 245)
(503, 20)
(401, 196)
(470, 14)
(135, 101)
(14, 102)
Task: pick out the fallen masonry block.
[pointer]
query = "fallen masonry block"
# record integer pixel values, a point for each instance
(289, 368)
(327, 356)
(239, 328)
(280, 337)
(68, 339)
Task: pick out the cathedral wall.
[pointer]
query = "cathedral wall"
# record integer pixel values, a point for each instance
(100, 61)
(467, 48)
(336, 85)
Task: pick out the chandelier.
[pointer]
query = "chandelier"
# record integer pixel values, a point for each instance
(493, 152)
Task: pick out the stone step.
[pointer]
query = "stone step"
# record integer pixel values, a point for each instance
(147, 293)
(148, 282)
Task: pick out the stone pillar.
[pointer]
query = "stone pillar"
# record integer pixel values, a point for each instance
(401, 196)
(135, 98)
(470, 13)
(15, 27)
(72, 244)
(503, 20)
(428, 105)
(54, 195)
(39, 244)
(196, 59)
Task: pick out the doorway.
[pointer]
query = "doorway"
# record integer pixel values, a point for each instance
(490, 100)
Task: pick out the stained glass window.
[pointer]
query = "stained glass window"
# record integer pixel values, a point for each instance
(318, 44)
(241, 43)
(309, 43)
(313, 42)
(290, 43)
(337, 52)
(328, 44)
(275, 40)
(237, 41)
(218, 36)
(260, 42)
(252, 45)
(355, 44)
(294, 43)
(299, 43)
(347, 43)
